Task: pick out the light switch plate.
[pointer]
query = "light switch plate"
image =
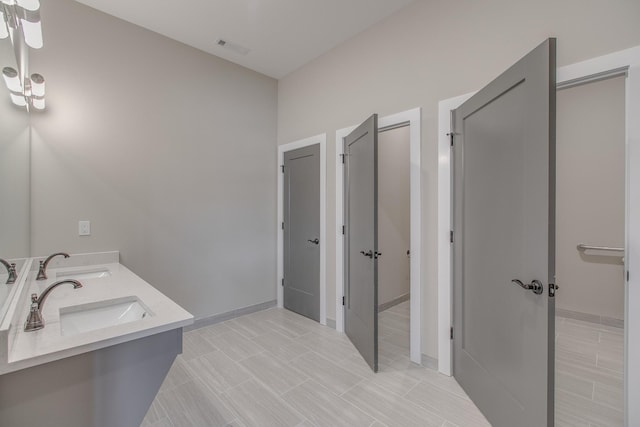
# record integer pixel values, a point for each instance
(84, 228)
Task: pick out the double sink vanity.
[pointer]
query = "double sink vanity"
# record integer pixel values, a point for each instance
(84, 342)
(89, 345)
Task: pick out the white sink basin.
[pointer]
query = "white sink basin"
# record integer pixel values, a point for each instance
(95, 273)
(90, 317)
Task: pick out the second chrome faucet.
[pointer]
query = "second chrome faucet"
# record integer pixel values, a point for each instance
(42, 271)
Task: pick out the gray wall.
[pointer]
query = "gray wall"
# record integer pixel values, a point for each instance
(429, 51)
(393, 214)
(167, 150)
(590, 190)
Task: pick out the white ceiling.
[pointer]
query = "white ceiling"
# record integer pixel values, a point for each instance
(282, 35)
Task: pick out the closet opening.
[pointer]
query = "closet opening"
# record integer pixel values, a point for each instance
(394, 233)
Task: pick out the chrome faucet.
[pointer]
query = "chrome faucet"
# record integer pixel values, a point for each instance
(42, 272)
(11, 269)
(35, 320)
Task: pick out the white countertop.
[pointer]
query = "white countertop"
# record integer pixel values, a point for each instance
(28, 349)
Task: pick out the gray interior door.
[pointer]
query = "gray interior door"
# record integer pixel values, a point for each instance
(504, 237)
(361, 239)
(302, 231)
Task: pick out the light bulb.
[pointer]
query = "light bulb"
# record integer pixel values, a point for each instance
(18, 100)
(11, 79)
(4, 32)
(37, 85)
(38, 103)
(32, 33)
(29, 4)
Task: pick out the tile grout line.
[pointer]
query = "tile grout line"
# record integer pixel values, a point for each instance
(353, 405)
(278, 396)
(579, 397)
(305, 418)
(353, 386)
(405, 400)
(274, 391)
(411, 389)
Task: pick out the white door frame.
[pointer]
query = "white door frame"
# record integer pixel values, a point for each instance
(322, 140)
(585, 71)
(413, 118)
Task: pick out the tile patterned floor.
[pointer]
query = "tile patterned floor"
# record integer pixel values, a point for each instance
(589, 374)
(275, 368)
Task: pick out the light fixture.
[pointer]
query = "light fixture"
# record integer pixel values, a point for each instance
(38, 103)
(4, 32)
(37, 85)
(20, 20)
(32, 33)
(37, 91)
(22, 15)
(18, 99)
(33, 93)
(11, 79)
(29, 4)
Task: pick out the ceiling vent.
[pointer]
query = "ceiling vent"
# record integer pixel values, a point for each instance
(233, 47)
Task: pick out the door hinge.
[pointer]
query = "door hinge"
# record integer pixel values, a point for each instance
(451, 236)
(451, 332)
(343, 230)
(283, 281)
(627, 275)
(282, 168)
(283, 225)
(342, 300)
(342, 156)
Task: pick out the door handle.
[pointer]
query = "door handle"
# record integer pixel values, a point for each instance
(367, 254)
(535, 286)
(314, 241)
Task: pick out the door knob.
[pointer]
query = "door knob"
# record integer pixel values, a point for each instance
(367, 254)
(314, 241)
(535, 286)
